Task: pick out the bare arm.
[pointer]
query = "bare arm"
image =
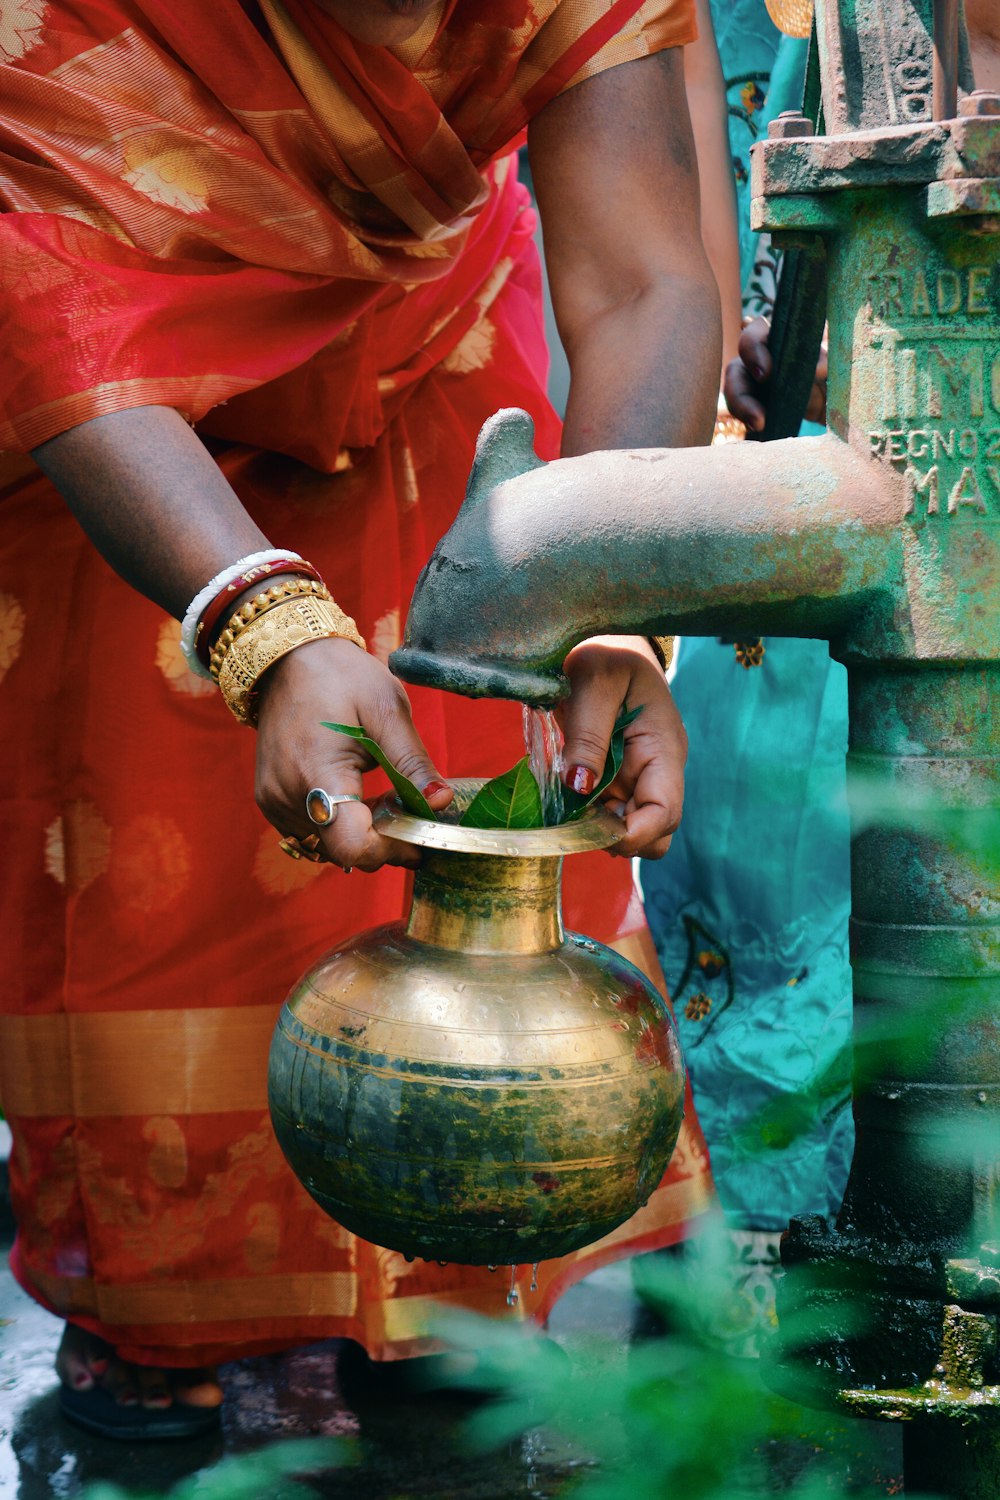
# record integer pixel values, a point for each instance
(152, 500)
(983, 19)
(613, 161)
(156, 505)
(706, 92)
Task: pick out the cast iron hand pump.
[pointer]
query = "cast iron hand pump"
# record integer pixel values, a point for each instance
(883, 537)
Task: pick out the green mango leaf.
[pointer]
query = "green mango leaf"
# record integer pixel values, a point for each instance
(411, 796)
(574, 804)
(512, 800)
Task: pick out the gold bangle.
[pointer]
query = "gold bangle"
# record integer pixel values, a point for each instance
(290, 588)
(663, 645)
(272, 635)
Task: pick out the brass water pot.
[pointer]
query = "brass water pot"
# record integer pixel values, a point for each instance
(475, 1084)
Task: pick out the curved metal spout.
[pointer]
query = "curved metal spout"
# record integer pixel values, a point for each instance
(798, 538)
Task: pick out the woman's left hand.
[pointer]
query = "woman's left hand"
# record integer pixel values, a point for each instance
(607, 673)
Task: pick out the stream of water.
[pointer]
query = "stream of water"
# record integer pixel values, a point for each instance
(543, 742)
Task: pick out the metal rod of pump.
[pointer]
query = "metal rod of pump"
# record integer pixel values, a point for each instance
(945, 73)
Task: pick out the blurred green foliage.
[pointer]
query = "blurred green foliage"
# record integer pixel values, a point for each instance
(275, 1473)
(678, 1417)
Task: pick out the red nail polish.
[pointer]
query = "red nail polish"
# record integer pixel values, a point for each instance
(81, 1380)
(433, 787)
(581, 779)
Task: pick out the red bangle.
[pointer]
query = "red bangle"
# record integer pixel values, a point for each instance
(225, 600)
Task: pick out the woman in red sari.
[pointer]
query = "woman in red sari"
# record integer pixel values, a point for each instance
(265, 269)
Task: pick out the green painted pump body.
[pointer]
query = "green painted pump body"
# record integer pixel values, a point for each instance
(883, 537)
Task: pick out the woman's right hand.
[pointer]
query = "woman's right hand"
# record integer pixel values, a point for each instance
(746, 378)
(335, 680)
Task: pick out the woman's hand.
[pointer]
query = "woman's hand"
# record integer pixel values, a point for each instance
(608, 672)
(746, 380)
(335, 680)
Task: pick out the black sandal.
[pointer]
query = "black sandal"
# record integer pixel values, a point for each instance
(97, 1411)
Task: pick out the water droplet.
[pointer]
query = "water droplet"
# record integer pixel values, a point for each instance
(442, 1262)
(512, 1294)
(491, 1268)
(460, 987)
(534, 1277)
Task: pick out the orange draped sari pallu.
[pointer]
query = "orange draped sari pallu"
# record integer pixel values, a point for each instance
(319, 252)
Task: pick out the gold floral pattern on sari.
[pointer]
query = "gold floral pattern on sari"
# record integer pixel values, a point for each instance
(11, 632)
(151, 863)
(276, 872)
(170, 661)
(165, 174)
(167, 1162)
(384, 637)
(21, 23)
(474, 350)
(78, 846)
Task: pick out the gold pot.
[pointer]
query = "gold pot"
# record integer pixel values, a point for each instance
(475, 1084)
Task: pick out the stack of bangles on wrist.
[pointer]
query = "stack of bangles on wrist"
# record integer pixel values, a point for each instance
(260, 627)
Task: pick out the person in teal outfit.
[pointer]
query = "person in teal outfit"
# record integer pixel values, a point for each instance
(749, 910)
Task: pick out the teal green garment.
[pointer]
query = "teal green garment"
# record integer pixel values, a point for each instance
(749, 909)
(749, 915)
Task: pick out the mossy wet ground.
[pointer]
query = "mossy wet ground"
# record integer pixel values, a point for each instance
(409, 1445)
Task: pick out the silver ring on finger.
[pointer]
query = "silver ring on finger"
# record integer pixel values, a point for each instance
(321, 806)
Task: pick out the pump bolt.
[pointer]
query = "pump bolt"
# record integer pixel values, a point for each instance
(788, 124)
(980, 102)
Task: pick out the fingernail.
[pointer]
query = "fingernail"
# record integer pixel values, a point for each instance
(581, 779)
(433, 787)
(81, 1380)
(757, 422)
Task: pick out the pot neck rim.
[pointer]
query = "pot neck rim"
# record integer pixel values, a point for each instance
(595, 829)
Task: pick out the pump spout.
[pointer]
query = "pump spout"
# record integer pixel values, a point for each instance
(799, 538)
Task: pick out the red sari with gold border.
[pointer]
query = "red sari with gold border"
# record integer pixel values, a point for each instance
(320, 253)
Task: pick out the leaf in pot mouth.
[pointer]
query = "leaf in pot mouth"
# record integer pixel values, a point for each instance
(512, 800)
(411, 796)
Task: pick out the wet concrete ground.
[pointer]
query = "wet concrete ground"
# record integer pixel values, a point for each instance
(409, 1446)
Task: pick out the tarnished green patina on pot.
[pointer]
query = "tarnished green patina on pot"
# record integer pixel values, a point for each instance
(476, 1085)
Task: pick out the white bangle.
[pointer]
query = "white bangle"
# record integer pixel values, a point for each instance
(204, 597)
